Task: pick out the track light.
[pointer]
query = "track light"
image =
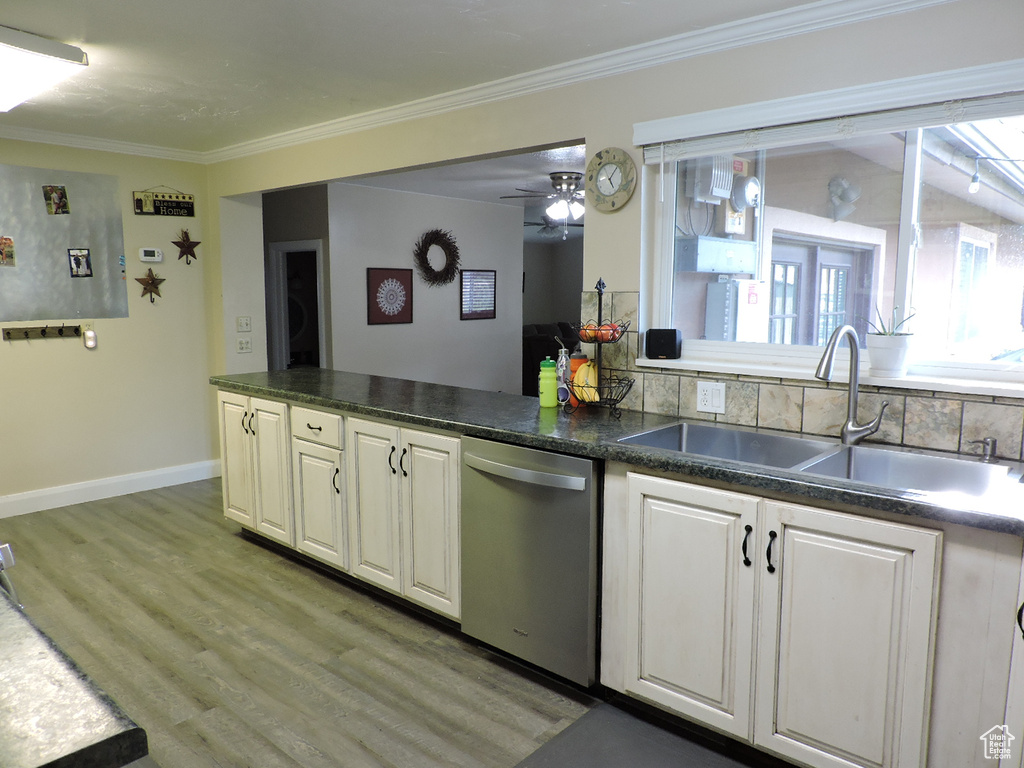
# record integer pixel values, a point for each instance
(33, 64)
(975, 184)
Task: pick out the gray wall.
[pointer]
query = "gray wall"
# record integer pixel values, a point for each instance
(378, 228)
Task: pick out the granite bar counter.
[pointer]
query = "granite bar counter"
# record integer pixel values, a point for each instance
(594, 432)
(51, 713)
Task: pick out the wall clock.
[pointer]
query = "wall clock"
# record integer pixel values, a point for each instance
(611, 178)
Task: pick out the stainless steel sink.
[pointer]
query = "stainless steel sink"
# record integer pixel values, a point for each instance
(771, 450)
(908, 471)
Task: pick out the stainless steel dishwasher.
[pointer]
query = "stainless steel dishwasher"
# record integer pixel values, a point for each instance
(529, 555)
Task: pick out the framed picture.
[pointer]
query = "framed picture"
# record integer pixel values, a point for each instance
(477, 294)
(79, 262)
(388, 296)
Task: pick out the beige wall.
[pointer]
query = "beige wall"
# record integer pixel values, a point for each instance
(137, 405)
(141, 403)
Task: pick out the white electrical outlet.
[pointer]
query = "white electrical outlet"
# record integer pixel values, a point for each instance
(244, 345)
(243, 323)
(711, 396)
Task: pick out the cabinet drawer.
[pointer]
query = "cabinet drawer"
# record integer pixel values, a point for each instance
(318, 426)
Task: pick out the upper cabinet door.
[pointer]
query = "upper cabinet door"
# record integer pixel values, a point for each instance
(691, 607)
(844, 649)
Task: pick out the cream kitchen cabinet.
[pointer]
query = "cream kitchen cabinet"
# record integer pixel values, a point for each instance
(403, 491)
(318, 481)
(804, 631)
(256, 468)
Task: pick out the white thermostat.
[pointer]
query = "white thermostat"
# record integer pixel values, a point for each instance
(151, 254)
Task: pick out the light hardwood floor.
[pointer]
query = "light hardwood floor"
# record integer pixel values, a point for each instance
(231, 654)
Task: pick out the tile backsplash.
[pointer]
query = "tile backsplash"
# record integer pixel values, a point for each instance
(936, 420)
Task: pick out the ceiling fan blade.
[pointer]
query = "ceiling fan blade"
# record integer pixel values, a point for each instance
(528, 197)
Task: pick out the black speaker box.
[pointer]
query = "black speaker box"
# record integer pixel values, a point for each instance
(664, 344)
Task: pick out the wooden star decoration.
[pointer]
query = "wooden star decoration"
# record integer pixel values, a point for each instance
(187, 246)
(151, 285)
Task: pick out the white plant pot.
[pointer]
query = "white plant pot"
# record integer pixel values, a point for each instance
(887, 355)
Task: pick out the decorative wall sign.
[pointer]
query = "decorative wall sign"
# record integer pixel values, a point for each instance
(446, 242)
(172, 203)
(477, 292)
(187, 246)
(150, 285)
(56, 198)
(6, 251)
(80, 262)
(388, 296)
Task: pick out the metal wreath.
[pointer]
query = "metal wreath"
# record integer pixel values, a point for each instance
(446, 242)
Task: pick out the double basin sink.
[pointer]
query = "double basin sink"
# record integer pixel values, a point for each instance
(885, 468)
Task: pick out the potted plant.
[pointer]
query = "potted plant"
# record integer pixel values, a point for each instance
(888, 346)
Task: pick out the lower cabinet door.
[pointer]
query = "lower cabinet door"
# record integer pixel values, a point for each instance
(844, 647)
(371, 452)
(236, 458)
(429, 466)
(691, 604)
(318, 477)
(272, 469)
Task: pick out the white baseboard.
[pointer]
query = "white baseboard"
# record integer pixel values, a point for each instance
(105, 488)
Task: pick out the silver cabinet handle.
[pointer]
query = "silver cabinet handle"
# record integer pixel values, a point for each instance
(531, 476)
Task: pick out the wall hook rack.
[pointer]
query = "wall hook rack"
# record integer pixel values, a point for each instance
(43, 332)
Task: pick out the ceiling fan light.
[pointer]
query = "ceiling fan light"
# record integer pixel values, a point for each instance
(33, 65)
(558, 210)
(576, 209)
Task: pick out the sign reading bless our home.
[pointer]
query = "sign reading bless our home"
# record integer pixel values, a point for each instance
(164, 204)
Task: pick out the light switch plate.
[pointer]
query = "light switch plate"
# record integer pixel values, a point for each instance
(711, 397)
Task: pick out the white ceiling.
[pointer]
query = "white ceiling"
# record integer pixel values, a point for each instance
(204, 75)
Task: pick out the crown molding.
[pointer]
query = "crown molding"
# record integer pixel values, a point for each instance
(815, 16)
(75, 141)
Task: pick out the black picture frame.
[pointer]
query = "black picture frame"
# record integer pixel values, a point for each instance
(477, 294)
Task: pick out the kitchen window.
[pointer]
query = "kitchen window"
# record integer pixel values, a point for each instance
(862, 220)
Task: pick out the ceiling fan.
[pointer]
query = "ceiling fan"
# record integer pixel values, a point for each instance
(567, 199)
(549, 227)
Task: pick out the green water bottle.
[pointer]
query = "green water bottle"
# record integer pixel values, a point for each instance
(548, 383)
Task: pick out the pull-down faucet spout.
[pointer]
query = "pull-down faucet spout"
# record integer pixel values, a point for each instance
(852, 432)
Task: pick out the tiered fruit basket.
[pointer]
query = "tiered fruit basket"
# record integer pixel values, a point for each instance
(609, 390)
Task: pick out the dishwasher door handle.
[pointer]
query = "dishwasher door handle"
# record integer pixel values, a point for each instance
(531, 476)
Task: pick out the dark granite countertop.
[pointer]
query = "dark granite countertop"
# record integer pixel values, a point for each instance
(51, 713)
(594, 432)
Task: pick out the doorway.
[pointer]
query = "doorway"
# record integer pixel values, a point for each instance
(295, 324)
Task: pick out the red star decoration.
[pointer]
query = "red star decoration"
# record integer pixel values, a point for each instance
(187, 246)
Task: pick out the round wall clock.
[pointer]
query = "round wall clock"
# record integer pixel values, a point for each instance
(611, 178)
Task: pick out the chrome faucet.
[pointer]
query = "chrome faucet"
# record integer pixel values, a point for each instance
(852, 432)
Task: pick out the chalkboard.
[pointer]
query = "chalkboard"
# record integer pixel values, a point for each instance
(61, 246)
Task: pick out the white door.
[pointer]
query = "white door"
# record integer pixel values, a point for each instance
(429, 467)
(319, 480)
(691, 607)
(372, 458)
(844, 650)
(236, 458)
(271, 440)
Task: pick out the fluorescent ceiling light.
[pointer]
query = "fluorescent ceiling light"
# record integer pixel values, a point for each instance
(32, 64)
